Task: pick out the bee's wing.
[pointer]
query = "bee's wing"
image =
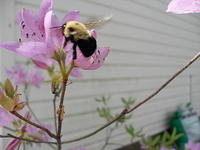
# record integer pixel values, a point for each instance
(97, 22)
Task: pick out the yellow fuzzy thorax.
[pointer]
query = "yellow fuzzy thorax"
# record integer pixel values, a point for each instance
(79, 30)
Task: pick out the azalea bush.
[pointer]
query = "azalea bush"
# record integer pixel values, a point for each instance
(44, 47)
(43, 43)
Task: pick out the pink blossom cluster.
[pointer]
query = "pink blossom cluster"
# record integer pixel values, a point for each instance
(41, 40)
(23, 130)
(22, 77)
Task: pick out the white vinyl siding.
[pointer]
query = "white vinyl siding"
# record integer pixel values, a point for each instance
(147, 46)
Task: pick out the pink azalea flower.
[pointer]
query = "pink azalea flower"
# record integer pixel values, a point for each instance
(13, 144)
(31, 131)
(5, 117)
(193, 146)
(32, 24)
(35, 79)
(37, 133)
(184, 6)
(17, 73)
(41, 40)
(32, 29)
(22, 77)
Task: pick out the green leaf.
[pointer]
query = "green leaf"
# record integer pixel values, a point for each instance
(155, 140)
(9, 89)
(124, 118)
(103, 100)
(173, 132)
(7, 103)
(129, 129)
(105, 113)
(178, 136)
(165, 136)
(128, 102)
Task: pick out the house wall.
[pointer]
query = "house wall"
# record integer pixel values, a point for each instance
(147, 46)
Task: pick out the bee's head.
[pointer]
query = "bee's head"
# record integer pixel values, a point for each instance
(74, 28)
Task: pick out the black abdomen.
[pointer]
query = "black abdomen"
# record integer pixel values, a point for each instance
(87, 46)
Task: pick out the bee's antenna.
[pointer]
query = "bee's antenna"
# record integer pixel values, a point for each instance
(56, 27)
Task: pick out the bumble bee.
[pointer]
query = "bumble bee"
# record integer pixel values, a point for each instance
(79, 34)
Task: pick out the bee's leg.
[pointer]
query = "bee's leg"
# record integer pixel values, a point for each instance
(74, 51)
(65, 42)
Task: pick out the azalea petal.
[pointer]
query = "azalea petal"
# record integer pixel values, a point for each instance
(14, 143)
(18, 74)
(43, 62)
(69, 53)
(93, 62)
(45, 6)
(27, 49)
(93, 33)
(184, 6)
(54, 36)
(69, 59)
(99, 57)
(5, 117)
(82, 61)
(76, 73)
(40, 64)
(35, 79)
(32, 28)
(10, 45)
(31, 49)
(37, 133)
(71, 16)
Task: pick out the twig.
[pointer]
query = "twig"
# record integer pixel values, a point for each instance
(24, 139)
(98, 130)
(27, 103)
(60, 114)
(56, 94)
(125, 111)
(34, 124)
(65, 76)
(167, 82)
(54, 112)
(109, 133)
(10, 129)
(24, 146)
(26, 93)
(18, 148)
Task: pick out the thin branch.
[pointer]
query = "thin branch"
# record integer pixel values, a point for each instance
(167, 82)
(98, 130)
(65, 76)
(26, 93)
(34, 124)
(109, 133)
(125, 111)
(56, 94)
(27, 103)
(54, 112)
(24, 146)
(10, 129)
(61, 113)
(18, 148)
(27, 140)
